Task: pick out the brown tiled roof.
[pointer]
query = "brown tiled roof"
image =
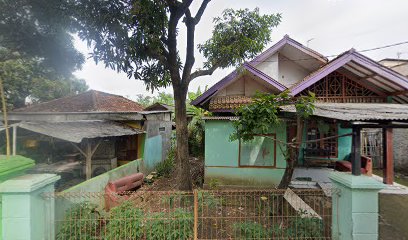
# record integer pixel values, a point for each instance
(228, 102)
(90, 101)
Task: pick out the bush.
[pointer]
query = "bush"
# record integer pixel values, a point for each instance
(81, 222)
(126, 222)
(252, 230)
(170, 226)
(165, 168)
(306, 228)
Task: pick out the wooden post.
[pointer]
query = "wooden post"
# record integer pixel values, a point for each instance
(14, 140)
(88, 153)
(88, 157)
(195, 214)
(5, 121)
(356, 152)
(388, 159)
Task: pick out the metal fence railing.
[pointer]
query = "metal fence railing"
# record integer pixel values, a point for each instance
(234, 214)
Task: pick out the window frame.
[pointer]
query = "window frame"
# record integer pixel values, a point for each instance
(321, 143)
(252, 166)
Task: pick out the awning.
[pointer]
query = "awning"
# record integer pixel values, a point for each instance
(79, 130)
(358, 111)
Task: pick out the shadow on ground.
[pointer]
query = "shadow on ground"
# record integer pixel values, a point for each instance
(393, 216)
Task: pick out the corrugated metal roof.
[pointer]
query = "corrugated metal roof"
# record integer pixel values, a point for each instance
(230, 118)
(358, 111)
(79, 130)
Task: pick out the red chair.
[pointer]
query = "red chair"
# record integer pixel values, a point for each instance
(366, 166)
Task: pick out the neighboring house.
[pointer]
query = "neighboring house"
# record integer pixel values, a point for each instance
(93, 129)
(351, 84)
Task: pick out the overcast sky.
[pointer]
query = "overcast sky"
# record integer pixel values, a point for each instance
(334, 25)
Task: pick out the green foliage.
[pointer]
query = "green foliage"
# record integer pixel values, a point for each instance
(170, 226)
(196, 127)
(126, 222)
(165, 168)
(28, 77)
(207, 200)
(213, 184)
(299, 228)
(252, 230)
(258, 117)
(238, 35)
(81, 222)
(40, 30)
(306, 228)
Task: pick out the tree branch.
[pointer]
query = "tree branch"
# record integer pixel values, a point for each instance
(200, 11)
(190, 60)
(204, 72)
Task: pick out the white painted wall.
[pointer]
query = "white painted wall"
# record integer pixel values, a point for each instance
(290, 73)
(270, 66)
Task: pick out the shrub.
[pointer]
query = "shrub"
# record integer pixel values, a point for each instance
(252, 230)
(170, 226)
(306, 228)
(165, 168)
(126, 222)
(81, 222)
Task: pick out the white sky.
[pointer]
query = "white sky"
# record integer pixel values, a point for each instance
(334, 25)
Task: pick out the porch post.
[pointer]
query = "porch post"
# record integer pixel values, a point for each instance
(356, 154)
(388, 161)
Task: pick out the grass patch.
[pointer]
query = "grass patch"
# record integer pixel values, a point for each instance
(397, 179)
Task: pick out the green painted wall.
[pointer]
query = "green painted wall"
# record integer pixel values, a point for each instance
(221, 158)
(344, 143)
(98, 183)
(219, 150)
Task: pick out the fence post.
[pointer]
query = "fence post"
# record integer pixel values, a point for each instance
(24, 207)
(195, 214)
(355, 207)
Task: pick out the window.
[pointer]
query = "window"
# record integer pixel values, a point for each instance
(323, 148)
(259, 152)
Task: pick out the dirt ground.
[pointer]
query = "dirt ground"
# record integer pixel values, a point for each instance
(393, 217)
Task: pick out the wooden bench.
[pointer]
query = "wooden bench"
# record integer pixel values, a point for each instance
(317, 157)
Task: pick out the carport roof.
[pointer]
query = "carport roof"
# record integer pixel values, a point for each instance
(79, 130)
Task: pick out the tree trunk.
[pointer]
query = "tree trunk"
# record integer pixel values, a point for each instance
(183, 164)
(294, 153)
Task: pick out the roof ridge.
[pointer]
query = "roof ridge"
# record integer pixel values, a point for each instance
(53, 100)
(287, 40)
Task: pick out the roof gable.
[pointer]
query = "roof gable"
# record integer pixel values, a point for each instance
(373, 72)
(90, 101)
(233, 76)
(286, 40)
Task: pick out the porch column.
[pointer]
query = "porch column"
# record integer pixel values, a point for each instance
(388, 158)
(355, 207)
(356, 152)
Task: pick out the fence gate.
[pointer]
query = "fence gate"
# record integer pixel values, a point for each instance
(233, 214)
(371, 146)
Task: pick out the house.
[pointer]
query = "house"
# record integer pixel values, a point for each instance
(89, 133)
(350, 89)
